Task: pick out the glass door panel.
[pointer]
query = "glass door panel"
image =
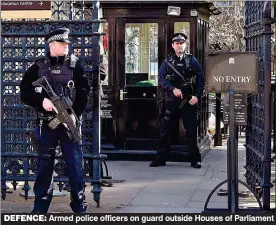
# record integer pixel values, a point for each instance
(141, 54)
(183, 27)
(141, 80)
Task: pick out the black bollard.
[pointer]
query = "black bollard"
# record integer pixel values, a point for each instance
(274, 129)
(218, 135)
(237, 132)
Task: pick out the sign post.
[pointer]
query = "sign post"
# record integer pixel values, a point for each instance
(240, 106)
(25, 9)
(235, 73)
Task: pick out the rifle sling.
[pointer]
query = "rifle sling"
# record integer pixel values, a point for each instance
(175, 70)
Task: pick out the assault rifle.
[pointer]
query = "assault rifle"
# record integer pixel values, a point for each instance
(64, 108)
(187, 88)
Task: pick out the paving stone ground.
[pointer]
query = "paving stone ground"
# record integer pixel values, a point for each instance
(175, 188)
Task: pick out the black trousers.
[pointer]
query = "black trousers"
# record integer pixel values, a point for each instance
(47, 140)
(188, 114)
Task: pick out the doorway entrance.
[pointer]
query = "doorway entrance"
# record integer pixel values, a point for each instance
(142, 45)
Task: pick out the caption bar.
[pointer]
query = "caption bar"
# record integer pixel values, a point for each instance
(138, 218)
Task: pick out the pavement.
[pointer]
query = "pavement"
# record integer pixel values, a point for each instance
(137, 188)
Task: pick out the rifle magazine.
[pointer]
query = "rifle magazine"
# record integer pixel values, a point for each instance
(54, 123)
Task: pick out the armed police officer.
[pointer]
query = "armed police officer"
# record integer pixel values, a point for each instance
(66, 76)
(182, 81)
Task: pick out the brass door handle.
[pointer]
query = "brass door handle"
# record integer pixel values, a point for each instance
(122, 92)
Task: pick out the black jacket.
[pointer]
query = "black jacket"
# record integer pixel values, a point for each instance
(167, 85)
(30, 97)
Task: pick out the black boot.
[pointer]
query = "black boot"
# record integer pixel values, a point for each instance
(157, 162)
(196, 165)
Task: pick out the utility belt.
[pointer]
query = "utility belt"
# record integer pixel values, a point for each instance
(44, 119)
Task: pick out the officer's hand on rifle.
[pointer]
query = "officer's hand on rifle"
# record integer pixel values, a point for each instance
(74, 121)
(177, 92)
(193, 100)
(48, 105)
(73, 118)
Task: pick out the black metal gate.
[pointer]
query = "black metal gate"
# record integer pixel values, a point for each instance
(22, 43)
(258, 135)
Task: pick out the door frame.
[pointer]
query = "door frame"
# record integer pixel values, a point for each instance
(165, 32)
(120, 67)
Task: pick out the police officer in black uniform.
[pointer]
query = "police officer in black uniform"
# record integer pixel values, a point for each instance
(181, 78)
(66, 76)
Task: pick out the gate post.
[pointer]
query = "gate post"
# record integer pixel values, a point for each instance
(258, 138)
(96, 143)
(267, 104)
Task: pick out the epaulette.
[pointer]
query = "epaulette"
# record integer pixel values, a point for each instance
(42, 61)
(187, 58)
(186, 53)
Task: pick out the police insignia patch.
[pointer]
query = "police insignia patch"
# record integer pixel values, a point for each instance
(56, 71)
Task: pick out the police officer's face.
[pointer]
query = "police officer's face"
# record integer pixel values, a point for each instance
(58, 48)
(179, 47)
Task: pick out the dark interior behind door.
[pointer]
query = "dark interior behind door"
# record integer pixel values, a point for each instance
(142, 45)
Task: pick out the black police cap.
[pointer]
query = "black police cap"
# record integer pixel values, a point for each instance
(60, 35)
(179, 37)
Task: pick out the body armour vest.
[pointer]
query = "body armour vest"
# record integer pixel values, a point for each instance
(184, 68)
(60, 77)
